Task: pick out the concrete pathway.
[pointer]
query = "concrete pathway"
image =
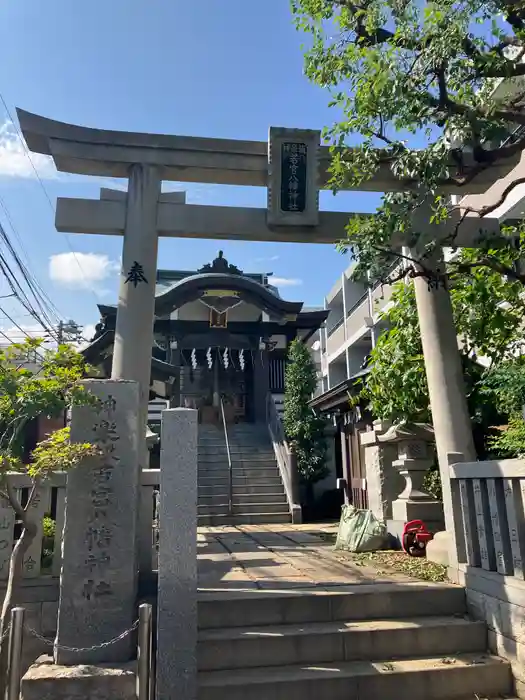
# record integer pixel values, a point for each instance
(276, 557)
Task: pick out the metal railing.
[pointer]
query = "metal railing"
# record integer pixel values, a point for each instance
(330, 331)
(286, 458)
(358, 303)
(230, 468)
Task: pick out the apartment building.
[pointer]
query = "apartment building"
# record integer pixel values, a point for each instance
(353, 323)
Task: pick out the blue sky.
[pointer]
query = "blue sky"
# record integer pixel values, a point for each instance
(207, 68)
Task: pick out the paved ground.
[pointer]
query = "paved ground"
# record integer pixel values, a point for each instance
(276, 557)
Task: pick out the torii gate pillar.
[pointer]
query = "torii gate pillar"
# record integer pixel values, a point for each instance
(138, 275)
(448, 403)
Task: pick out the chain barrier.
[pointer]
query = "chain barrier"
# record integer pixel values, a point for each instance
(6, 633)
(80, 650)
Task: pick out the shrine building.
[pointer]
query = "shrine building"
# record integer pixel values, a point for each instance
(218, 333)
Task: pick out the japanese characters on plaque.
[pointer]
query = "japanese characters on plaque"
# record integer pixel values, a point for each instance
(293, 190)
(294, 180)
(99, 531)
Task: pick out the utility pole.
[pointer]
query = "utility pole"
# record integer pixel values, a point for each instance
(68, 332)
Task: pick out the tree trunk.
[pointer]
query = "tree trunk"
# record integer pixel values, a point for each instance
(15, 576)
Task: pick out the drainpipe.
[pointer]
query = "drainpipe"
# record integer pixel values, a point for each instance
(371, 314)
(347, 358)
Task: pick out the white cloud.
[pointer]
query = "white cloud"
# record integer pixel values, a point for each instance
(285, 281)
(88, 331)
(76, 270)
(14, 160)
(272, 258)
(16, 334)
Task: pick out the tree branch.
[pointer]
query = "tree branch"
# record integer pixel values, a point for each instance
(13, 500)
(489, 208)
(31, 496)
(442, 86)
(490, 263)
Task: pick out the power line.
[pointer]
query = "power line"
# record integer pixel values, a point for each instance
(19, 328)
(44, 189)
(16, 287)
(14, 283)
(35, 281)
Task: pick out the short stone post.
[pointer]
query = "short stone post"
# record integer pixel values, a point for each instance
(383, 481)
(414, 444)
(98, 581)
(177, 592)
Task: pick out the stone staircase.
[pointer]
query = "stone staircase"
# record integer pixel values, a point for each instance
(258, 492)
(361, 642)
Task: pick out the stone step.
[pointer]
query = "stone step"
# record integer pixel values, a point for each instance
(383, 601)
(239, 455)
(216, 510)
(238, 473)
(240, 480)
(239, 490)
(252, 647)
(243, 519)
(263, 497)
(435, 678)
(234, 435)
(233, 429)
(237, 463)
(266, 507)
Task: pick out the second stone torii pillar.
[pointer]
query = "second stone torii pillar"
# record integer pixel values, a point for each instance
(136, 302)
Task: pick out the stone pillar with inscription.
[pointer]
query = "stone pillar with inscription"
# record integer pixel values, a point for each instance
(7, 527)
(99, 555)
(177, 596)
(136, 303)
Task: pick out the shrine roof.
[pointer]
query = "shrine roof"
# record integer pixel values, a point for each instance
(175, 288)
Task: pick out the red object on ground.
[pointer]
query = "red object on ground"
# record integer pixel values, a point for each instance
(415, 538)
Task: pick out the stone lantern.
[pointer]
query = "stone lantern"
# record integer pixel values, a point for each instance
(415, 455)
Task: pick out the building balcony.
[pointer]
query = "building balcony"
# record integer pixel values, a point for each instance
(336, 337)
(354, 326)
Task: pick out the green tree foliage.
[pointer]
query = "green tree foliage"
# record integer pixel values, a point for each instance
(506, 387)
(412, 84)
(25, 395)
(304, 429)
(488, 312)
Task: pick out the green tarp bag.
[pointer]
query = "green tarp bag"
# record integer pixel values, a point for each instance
(360, 531)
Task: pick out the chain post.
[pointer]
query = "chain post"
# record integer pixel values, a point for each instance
(144, 653)
(16, 635)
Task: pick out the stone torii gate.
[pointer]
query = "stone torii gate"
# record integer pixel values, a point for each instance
(142, 214)
(293, 166)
